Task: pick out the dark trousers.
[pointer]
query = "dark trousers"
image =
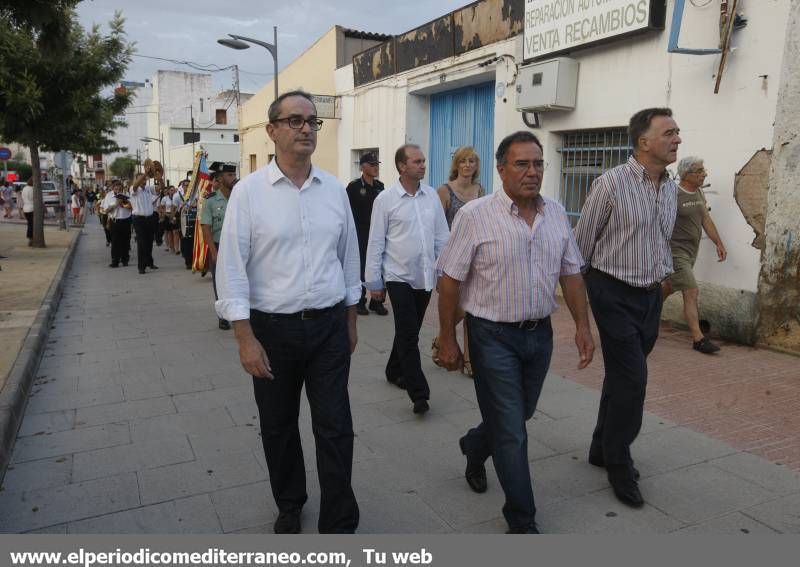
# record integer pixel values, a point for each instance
(29, 218)
(159, 227)
(408, 308)
(121, 241)
(213, 266)
(187, 250)
(363, 238)
(145, 233)
(627, 319)
(510, 367)
(104, 223)
(315, 352)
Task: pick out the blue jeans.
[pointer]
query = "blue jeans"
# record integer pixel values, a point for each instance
(510, 365)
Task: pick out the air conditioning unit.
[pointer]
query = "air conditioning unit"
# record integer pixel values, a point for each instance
(549, 85)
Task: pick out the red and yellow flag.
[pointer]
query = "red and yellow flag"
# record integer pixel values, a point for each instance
(198, 189)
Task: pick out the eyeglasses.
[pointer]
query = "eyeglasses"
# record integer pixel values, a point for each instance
(296, 122)
(701, 170)
(524, 165)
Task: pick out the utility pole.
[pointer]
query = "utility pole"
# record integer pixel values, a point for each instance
(191, 119)
(239, 116)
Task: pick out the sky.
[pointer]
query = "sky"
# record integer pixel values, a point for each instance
(186, 30)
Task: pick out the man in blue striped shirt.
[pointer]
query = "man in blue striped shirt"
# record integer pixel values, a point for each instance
(623, 235)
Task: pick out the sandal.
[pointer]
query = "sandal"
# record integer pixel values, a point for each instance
(466, 370)
(435, 350)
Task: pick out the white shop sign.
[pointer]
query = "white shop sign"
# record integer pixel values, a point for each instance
(553, 26)
(327, 106)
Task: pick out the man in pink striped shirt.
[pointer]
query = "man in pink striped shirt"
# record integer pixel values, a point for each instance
(506, 254)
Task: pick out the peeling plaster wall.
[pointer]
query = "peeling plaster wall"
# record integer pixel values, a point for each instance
(779, 280)
(750, 191)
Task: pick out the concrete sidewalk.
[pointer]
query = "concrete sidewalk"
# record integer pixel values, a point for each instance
(143, 422)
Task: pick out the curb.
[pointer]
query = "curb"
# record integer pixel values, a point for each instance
(14, 395)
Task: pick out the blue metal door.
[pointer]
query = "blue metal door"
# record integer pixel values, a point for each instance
(462, 117)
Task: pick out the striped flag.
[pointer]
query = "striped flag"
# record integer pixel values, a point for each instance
(199, 189)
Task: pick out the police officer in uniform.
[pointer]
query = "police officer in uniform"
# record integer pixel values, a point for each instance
(213, 214)
(362, 193)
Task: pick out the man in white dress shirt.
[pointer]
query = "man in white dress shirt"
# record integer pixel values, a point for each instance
(407, 232)
(142, 195)
(117, 206)
(288, 281)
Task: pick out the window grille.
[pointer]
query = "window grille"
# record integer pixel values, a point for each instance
(585, 155)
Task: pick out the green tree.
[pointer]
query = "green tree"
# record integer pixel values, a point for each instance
(58, 100)
(124, 167)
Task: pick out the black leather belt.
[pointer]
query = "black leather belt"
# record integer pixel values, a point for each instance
(304, 315)
(650, 287)
(528, 325)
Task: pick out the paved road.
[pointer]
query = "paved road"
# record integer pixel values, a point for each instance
(142, 421)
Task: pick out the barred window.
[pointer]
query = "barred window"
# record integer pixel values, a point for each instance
(585, 155)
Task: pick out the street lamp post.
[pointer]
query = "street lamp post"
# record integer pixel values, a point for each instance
(240, 42)
(160, 140)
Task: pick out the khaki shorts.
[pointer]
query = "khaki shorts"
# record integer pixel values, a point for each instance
(683, 278)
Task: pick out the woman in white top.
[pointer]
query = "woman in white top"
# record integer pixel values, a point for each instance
(76, 207)
(27, 207)
(169, 220)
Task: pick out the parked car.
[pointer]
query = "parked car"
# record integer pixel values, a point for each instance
(50, 194)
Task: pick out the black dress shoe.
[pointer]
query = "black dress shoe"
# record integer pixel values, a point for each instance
(224, 325)
(142, 272)
(288, 522)
(598, 461)
(378, 308)
(421, 406)
(125, 264)
(531, 529)
(475, 472)
(627, 491)
(361, 309)
(113, 265)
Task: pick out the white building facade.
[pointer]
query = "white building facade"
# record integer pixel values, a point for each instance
(416, 89)
(187, 114)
